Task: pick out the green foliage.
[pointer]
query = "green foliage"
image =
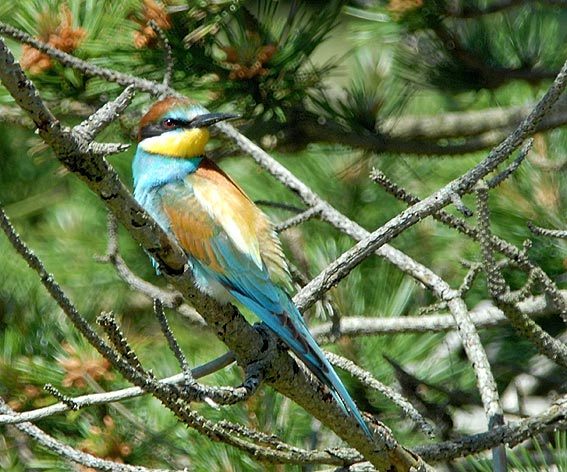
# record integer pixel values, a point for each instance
(368, 98)
(265, 56)
(545, 452)
(264, 59)
(470, 46)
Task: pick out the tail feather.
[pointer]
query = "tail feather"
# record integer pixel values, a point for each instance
(289, 325)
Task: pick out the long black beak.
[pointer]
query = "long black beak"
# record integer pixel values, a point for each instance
(209, 119)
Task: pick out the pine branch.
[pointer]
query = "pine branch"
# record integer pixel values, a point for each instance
(226, 322)
(70, 453)
(86, 68)
(512, 434)
(484, 315)
(92, 399)
(73, 149)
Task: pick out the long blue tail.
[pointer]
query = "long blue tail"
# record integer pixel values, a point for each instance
(290, 326)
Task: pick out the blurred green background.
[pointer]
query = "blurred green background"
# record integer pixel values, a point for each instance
(285, 67)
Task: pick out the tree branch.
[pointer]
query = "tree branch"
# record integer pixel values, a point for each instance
(226, 322)
(86, 68)
(71, 453)
(484, 315)
(84, 401)
(512, 434)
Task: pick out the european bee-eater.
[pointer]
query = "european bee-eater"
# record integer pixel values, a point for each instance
(230, 244)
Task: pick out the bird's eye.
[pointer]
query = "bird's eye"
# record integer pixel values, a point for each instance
(169, 123)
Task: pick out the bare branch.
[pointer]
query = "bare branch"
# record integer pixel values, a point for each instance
(484, 315)
(512, 434)
(167, 53)
(225, 320)
(71, 453)
(84, 401)
(368, 380)
(86, 68)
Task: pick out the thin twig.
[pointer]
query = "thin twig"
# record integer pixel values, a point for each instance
(502, 176)
(497, 286)
(167, 53)
(71, 453)
(107, 321)
(298, 219)
(369, 380)
(59, 396)
(460, 205)
(547, 233)
(173, 345)
(86, 68)
(191, 390)
(280, 206)
(84, 401)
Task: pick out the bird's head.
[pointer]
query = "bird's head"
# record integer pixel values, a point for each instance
(177, 127)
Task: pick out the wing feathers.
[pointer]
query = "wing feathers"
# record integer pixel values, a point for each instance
(225, 232)
(230, 241)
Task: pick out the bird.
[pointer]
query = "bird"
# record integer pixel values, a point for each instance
(230, 244)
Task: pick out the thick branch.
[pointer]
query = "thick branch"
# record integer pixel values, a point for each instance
(514, 433)
(226, 322)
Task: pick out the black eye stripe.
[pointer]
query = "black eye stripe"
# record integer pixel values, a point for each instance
(156, 129)
(169, 124)
(151, 130)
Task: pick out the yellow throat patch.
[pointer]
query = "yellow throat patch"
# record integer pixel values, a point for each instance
(186, 144)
